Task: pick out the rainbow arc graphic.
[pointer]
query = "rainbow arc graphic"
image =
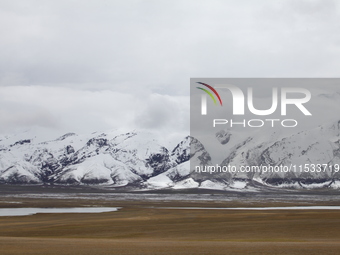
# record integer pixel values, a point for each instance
(214, 92)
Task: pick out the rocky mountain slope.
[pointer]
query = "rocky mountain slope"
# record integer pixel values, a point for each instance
(134, 158)
(140, 160)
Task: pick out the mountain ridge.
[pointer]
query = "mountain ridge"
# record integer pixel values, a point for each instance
(139, 160)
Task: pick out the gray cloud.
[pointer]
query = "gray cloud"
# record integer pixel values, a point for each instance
(129, 50)
(164, 112)
(75, 110)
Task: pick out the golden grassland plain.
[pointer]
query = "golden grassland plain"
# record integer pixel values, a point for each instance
(142, 227)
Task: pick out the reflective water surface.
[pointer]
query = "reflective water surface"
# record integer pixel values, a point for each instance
(30, 211)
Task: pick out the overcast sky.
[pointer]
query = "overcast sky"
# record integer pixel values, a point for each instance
(83, 66)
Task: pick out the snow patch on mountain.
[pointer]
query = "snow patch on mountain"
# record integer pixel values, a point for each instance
(143, 160)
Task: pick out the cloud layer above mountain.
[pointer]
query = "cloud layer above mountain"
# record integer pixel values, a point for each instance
(101, 64)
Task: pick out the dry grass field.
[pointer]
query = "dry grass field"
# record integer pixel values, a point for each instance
(141, 227)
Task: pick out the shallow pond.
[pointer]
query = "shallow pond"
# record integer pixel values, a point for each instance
(30, 211)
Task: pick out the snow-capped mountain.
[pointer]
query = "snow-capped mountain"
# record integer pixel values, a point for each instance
(109, 158)
(143, 160)
(311, 157)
